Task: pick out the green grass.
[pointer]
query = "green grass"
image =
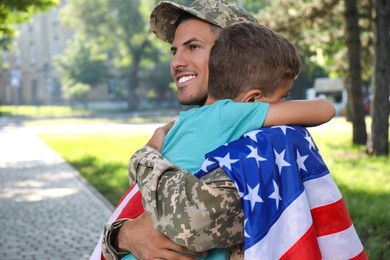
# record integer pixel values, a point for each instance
(41, 115)
(43, 111)
(100, 157)
(363, 180)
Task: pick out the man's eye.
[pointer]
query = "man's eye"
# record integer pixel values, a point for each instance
(194, 46)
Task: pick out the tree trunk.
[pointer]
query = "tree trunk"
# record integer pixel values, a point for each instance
(354, 82)
(132, 99)
(133, 84)
(380, 114)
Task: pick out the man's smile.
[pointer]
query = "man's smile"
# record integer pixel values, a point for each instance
(185, 79)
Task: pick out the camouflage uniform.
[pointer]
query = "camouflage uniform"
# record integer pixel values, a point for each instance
(197, 213)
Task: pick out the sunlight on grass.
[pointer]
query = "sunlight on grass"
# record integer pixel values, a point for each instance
(100, 157)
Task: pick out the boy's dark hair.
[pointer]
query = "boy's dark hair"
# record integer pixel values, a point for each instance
(250, 56)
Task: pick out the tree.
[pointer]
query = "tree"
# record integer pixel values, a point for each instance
(320, 31)
(354, 83)
(13, 12)
(380, 116)
(81, 63)
(119, 28)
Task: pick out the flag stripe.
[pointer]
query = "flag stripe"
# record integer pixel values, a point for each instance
(128, 201)
(294, 221)
(361, 256)
(123, 203)
(331, 218)
(306, 248)
(327, 194)
(341, 245)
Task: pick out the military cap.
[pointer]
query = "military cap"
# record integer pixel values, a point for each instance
(217, 12)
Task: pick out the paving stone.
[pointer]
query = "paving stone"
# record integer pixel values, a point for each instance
(47, 210)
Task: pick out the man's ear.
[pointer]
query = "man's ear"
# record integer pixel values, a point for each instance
(251, 96)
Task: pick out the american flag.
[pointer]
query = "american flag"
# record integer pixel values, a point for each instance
(292, 206)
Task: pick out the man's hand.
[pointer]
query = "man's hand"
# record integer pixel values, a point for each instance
(139, 237)
(157, 140)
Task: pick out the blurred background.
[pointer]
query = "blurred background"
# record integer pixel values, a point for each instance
(96, 67)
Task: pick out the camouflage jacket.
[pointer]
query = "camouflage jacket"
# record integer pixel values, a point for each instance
(197, 213)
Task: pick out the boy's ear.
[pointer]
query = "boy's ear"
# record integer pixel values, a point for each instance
(252, 95)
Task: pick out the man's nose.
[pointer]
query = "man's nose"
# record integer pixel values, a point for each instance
(179, 60)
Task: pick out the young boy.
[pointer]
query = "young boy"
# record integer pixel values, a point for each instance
(248, 63)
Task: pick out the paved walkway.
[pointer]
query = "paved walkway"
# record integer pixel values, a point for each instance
(47, 210)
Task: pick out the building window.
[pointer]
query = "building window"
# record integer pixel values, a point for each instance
(32, 54)
(54, 16)
(18, 57)
(56, 46)
(30, 26)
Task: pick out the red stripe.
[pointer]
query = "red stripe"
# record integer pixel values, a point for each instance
(124, 195)
(331, 218)
(361, 256)
(133, 208)
(305, 248)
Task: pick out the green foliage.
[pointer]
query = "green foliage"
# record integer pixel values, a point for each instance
(14, 12)
(119, 28)
(317, 29)
(77, 92)
(81, 62)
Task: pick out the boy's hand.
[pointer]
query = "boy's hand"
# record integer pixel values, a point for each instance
(157, 140)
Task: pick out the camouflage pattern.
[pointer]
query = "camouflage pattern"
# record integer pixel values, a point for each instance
(109, 236)
(197, 213)
(216, 12)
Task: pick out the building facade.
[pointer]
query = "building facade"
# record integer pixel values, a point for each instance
(30, 78)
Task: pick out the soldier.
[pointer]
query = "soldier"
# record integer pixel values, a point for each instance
(138, 235)
(196, 213)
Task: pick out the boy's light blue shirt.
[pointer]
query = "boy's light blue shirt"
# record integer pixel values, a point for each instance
(208, 127)
(203, 130)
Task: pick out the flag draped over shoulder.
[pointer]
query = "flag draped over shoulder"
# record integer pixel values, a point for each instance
(292, 206)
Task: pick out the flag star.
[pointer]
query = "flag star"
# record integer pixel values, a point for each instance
(309, 140)
(301, 161)
(254, 154)
(245, 233)
(275, 195)
(206, 164)
(252, 135)
(284, 128)
(238, 189)
(226, 161)
(279, 160)
(253, 196)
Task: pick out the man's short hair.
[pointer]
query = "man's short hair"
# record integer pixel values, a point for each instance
(217, 12)
(250, 56)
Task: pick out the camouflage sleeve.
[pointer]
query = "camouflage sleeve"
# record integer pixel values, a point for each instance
(197, 213)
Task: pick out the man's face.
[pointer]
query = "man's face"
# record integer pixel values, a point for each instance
(189, 66)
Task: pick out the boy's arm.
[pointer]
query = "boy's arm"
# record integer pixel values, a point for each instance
(311, 112)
